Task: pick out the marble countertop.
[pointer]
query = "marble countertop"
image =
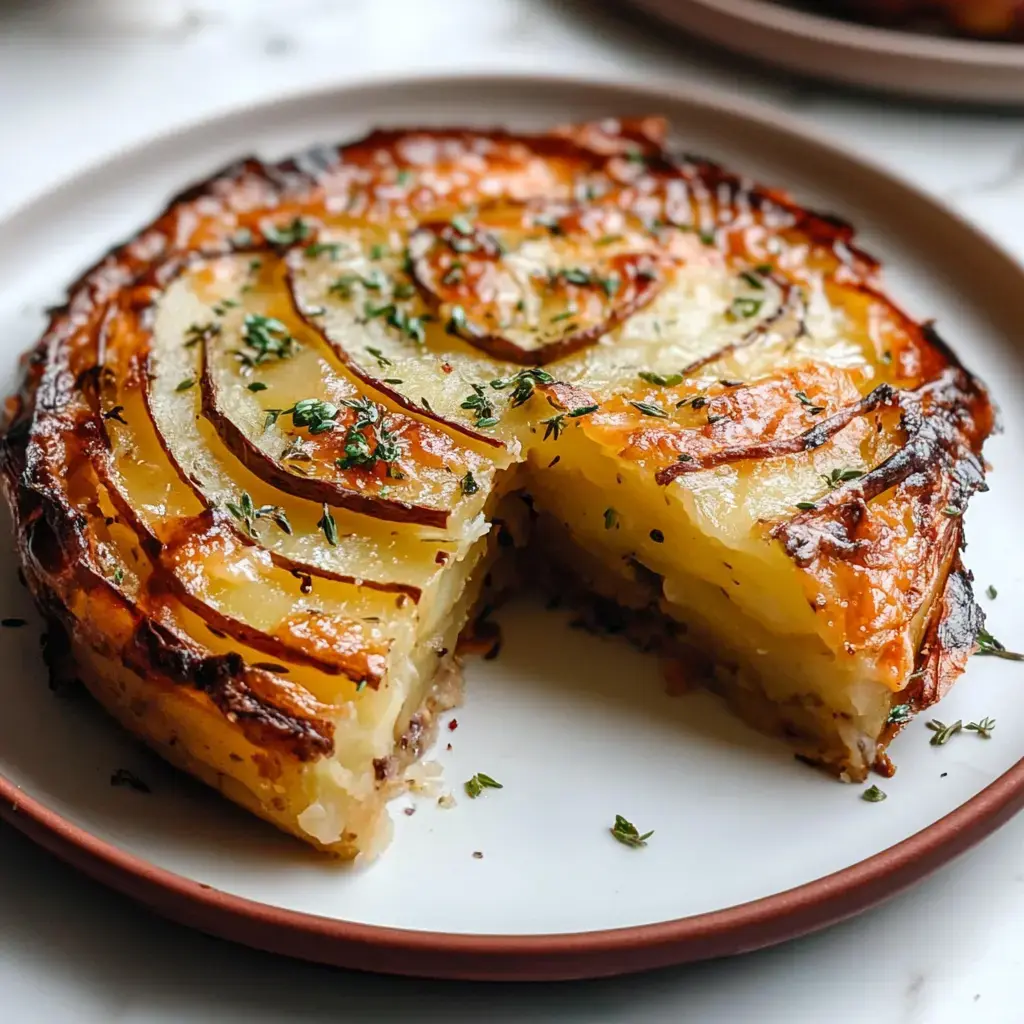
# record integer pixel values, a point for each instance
(80, 80)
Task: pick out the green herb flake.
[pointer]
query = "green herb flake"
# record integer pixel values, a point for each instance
(329, 526)
(469, 485)
(611, 518)
(649, 409)
(188, 382)
(554, 426)
(661, 380)
(943, 733)
(378, 251)
(989, 646)
(248, 513)
(991, 593)
(478, 783)
(952, 512)
(627, 834)
(873, 795)
(806, 506)
(564, 315)
(289, 234)
(257, 385)
(462, 224)
(330, 249)
(743, 308)
(801, 397)
(899, 714)
(983, 728)
(840, 476)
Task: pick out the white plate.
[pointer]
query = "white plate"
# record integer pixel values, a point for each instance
(577, 728)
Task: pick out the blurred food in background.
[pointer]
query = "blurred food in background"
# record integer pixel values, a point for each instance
(988, 19)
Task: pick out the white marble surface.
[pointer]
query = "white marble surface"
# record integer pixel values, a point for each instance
(80, 79)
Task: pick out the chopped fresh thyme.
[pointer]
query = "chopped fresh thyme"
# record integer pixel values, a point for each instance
(584, 410)
(806, 506)
(315, 249)
(224, 305)
(267, 338)
(649, 409)
(289, 234)
(478, 783)
(952, 512)
(657, 536)
(246, 512)
(743, 308)
(329, 526)
(899, 714)
(983, 728)
(257, 385)
(456, 320)
(115, 414)
(522, 384)
(554, 426)
(462, 224)
(118, 576)
(627, 834)
(873, 795)
(188, 382)
(201, 332)
(988, 645)
(382, 360)
(811, 407)
(943, 732)
(480, 405)
(469, 485)
(840, 476)
(378, 251)
(315, 414)
(661, 380)
(753, 279)
(611, 518)
(564, 315)
(991, 593)
(454, 275)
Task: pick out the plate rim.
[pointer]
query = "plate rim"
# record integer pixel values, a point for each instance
(899, 60)
(741, 928)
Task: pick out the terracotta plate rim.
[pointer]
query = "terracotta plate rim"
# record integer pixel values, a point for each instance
(737, 929)
(830, 47)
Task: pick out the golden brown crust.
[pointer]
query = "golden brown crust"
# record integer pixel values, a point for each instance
(576, 184)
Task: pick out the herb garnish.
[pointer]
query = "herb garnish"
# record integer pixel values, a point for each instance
(469, 485)
(943, 732)
(246, 512)
(813, 409)
(382, 360)
(661, 380)
(873, 795)
(554, 426)
(478, 783)
(611, 518)
(899, 714)
(201, 332)
(329, 526)
(289, 234)
(743, 308)
(115, 414)
(840, 476)
(753, 279)
(456, 320)
(480, 405)
(988, 645)
(649, 409)
(462, 224)
(983, 728)
(522, 384)
(267, 338)
(187, 383)
(991, 593)
(806, 506)
(257, 385)
(315, 249)
(627, 834)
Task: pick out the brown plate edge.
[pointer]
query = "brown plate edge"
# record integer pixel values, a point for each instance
(556, 957)
(914, 64)
(743, 928)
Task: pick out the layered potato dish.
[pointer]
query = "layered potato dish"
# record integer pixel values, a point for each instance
(275, 452)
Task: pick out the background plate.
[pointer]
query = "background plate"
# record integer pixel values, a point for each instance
(908, 62)
(750, 846)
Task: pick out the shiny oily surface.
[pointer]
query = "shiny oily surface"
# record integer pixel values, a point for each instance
(537, 694)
